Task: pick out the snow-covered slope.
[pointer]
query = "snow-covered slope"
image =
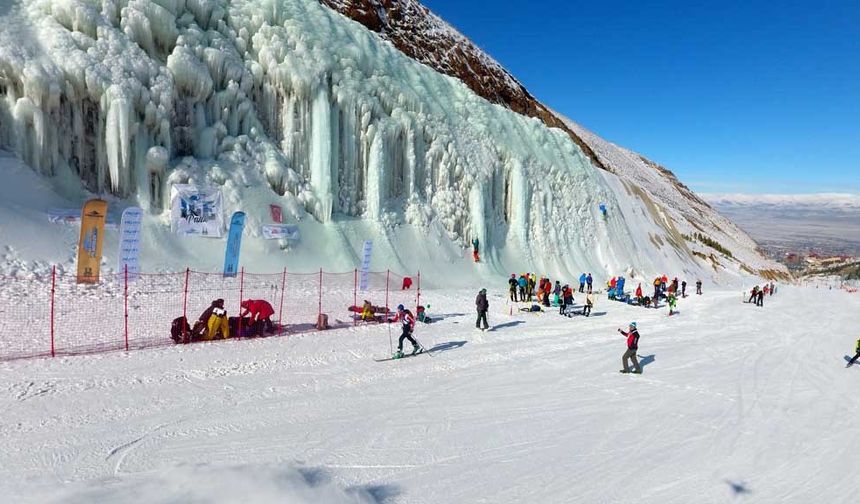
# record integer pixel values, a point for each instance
(289, 102)
(534, 411)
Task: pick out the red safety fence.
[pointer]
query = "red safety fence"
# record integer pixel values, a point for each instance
(51, 315)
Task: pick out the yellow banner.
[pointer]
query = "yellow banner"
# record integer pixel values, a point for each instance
(92, 238)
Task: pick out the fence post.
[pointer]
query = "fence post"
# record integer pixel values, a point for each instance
(281, 309)
(418, 297)
(355, 296)
(387, 279)
(319, 313)
(125, 303)
(53, 296)
(185, 336)
(241, 295)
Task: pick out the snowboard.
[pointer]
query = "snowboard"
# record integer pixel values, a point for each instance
(405, 356)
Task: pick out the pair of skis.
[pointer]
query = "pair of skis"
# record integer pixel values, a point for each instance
(406, 356)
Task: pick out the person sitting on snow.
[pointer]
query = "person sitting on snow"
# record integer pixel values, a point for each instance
(217, 322)
(260, 313)
(367, 311)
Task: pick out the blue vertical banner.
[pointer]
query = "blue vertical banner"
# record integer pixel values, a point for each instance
(234, 244)
(129, 243)
(365, 265)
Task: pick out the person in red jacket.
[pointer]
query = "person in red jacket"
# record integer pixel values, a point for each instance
(260, 313)
(407, 322)
(632, 336)
(639, 294)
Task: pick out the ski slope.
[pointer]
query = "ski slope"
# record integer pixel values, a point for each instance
(736, 403)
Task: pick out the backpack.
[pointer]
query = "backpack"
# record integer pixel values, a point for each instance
(178, 328)
(535, 308)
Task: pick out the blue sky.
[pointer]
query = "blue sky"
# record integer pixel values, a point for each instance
(756, 97)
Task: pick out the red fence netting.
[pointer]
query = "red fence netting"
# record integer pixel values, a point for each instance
(53, 314)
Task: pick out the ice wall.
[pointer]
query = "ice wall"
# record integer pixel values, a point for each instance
(289, 97)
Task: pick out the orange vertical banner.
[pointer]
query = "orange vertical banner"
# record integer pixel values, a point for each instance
(92, 239)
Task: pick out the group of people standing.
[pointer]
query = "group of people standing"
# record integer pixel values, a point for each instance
(758, 293)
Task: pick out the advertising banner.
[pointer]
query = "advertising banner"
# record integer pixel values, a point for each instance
(91, 241)
(277, 231)
(129, 242)
(365, 265)
(234, 244)
(196, 211)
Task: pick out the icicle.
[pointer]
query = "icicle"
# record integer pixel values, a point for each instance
(321, 154)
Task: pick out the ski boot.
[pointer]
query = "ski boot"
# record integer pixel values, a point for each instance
(636, 372)
(416, 350)
(624, 371)
(397, 355)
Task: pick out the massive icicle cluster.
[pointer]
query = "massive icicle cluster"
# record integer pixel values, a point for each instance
(289, 96)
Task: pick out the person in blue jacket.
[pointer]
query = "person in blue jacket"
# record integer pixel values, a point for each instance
(582, 278)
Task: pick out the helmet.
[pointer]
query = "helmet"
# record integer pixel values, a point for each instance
(633, 325)
(400, 308)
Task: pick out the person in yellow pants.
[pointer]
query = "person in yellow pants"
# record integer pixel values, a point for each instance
(218, 322)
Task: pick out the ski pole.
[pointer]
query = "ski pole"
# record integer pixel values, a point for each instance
(390, 343)
(424, 349)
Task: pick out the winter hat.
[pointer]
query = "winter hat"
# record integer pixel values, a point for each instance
(633, 325)
(400, 308)
(483, 291)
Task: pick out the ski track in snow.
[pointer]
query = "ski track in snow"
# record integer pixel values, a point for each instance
(736, 400)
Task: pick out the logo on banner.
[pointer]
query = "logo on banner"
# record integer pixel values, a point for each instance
(129, 244)
(90, 243)
(277, 214)
(288, 232)
(234, 244)
(196, 211)
(365, 265)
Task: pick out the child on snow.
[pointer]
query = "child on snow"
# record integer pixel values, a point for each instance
(673, 302)
(407, 322)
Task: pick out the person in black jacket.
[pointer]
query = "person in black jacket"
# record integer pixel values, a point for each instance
(483, 306)
(513, 284)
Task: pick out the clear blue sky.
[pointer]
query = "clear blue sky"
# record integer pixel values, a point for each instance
(735, 96)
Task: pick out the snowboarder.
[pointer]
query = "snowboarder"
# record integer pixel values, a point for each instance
(673, 302)
(483, 307)
(684, 289)
(856, 355)
(699, 287)
(632, 336)
(589, 281)
(512, 287)
(407, 322)
(582, 278)
(260, 313)
(589, 304)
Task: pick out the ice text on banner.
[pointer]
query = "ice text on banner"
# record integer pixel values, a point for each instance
(129, 243)
(234, 244)
(91, 241)
(196, 211)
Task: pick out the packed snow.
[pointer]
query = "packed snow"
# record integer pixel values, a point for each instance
(736, 403)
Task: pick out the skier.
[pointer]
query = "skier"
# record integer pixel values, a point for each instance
(639, 294)
(483, 307)
(760, 300)
(512, 287)
(260, 312)
(684, 289)
(753, 295)
(589, 281)
(632, 336)
(407, 321)
(856, 355)
(699, 287)
(582, 279)
(589, 304)
(673, 302)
